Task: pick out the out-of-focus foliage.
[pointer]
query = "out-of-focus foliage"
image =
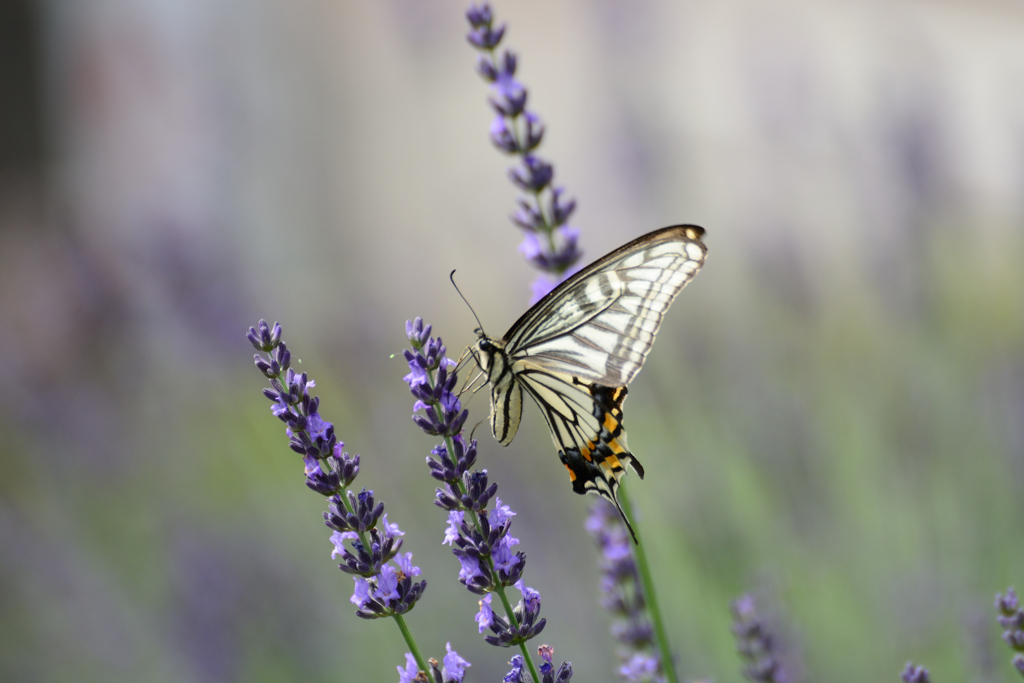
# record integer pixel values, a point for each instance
(833, 416)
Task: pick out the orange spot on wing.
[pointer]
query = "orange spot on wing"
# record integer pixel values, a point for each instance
(610, 423)
(616, 446)
(613, 462)
(585, 452)
(572, 475)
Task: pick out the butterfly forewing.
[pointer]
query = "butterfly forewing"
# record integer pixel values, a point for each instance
(600, 324)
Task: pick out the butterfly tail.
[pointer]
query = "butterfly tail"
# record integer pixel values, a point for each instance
(622, 513)
(592, 476)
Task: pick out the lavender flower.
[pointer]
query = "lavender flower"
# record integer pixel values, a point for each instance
(411, 670)
(383, 578)
(453, 669)
(756, 643)
(478, 522)
(915, 674)
(549, 243)
(479, 537)
(622, 594)
(547, 670)
(1011, 618)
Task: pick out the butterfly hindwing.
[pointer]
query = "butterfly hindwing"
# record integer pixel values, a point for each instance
(575, 351)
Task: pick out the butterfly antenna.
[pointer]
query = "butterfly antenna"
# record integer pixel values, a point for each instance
(480, 325)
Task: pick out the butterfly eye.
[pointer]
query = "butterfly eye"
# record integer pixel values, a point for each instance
(485, 345)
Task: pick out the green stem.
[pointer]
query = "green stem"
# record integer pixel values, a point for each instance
(647, 585)
(411, 642)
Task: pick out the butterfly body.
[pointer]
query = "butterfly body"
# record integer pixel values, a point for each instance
(576, 350)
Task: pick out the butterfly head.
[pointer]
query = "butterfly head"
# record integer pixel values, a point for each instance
(485, 350)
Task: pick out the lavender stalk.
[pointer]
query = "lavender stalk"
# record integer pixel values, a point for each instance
(549, 242)
(1011, 618)
(757, 643)
(623, 594)
(368, 544)
(478, 531)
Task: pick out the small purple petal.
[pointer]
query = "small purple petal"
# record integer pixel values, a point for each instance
(338, 538)
(391, 530)
(451, 534)
(531, 598)
(454, 665)
(470, 568)
(485, 617)
(361, 594)
(312, 466)
(404, 563)
(387, 586)
(410, 672)
(500, 514)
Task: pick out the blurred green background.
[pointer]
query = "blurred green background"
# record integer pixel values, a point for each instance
(833, 416)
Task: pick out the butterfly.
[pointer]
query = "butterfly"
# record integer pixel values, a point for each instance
(577, 349)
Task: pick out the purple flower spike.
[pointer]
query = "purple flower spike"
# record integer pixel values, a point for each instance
(1011, 619)
(915, 674)
(478, 521)
(621, 593)
(519, 131)
(381, 589)
(758, 645)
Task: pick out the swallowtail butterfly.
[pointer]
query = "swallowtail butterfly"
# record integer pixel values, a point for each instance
(577, 349)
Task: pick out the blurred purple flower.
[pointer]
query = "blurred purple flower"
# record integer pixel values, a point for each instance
(757, 644)
(915, 674)
(517, 131)
(641, 667)
(621, 591)
(1011, 618)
